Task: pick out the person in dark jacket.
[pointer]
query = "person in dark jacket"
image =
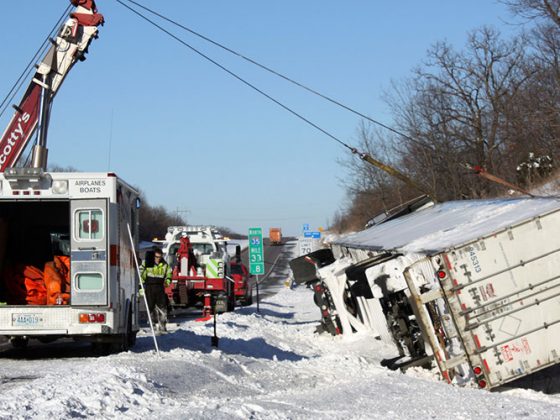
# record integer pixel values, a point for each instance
(155, 276)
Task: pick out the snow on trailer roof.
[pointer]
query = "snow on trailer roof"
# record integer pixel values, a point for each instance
(448, 224)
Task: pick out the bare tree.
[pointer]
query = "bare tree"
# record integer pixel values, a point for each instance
(154, 221)
(533, 9)
(455, 106)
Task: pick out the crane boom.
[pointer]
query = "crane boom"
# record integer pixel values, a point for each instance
(33, 112)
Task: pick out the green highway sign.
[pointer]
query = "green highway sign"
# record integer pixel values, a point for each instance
(256, 256)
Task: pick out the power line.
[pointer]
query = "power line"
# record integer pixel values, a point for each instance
(276, 73)
(364, 156)
(277, 102)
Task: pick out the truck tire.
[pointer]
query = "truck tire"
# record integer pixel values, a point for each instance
(129, 337)
(248, 299)
(126, 340)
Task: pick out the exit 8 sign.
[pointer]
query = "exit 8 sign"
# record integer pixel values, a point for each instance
(256, 257)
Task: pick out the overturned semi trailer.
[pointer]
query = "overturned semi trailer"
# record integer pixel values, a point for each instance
(473, 285)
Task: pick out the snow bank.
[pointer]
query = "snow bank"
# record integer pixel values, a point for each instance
(268, 366)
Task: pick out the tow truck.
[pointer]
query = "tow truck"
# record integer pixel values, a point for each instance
(79, 223)
(201, 269)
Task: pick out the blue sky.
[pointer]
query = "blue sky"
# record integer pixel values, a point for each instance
(195, 139)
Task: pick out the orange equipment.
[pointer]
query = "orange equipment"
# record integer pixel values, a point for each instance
(57, 280)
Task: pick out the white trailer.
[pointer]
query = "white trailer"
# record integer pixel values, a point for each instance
(83, 216)
(475, 284)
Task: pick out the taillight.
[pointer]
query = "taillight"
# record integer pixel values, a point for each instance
(477, 370)
(92, 318)
(482, 383)
(441, 274)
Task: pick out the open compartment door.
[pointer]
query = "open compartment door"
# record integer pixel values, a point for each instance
(89, 252)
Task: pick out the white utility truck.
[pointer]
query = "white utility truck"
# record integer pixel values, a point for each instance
(473, 285)
(83, 218)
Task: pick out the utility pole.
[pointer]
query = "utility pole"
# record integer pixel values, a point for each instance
(178, 211)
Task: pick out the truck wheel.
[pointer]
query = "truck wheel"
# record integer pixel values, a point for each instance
(127, 339)
(248, 299)
(131, 339)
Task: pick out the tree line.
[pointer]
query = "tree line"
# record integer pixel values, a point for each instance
(493, 104)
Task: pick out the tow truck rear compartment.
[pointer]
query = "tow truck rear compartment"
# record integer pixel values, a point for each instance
(66, 259)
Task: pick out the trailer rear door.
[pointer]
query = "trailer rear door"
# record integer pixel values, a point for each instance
(503, 295)
(89, 252)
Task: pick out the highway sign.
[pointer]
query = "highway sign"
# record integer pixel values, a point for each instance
(314, 235)
(256, 252)
(306, 227)
(307, 245)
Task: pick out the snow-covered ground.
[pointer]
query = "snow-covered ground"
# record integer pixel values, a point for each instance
(269, 365)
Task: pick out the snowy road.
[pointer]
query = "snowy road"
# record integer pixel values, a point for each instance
(268, 366)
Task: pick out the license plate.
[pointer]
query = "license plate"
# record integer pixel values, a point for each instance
(27, 320)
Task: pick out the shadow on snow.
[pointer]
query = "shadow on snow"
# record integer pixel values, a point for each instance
(182, 339)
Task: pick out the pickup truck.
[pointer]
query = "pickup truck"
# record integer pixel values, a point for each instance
(243, 283)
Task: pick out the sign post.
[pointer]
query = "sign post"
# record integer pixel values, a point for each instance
(256, 256)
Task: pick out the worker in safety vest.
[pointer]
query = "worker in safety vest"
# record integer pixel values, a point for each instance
(156, 275)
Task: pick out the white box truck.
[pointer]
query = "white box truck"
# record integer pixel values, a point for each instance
(81, 218)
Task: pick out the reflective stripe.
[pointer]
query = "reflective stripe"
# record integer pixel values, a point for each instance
(215, 268)
(212, 269)
(160, 271)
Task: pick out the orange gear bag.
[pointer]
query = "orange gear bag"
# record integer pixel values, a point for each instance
(35, 285)
(57, 280)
